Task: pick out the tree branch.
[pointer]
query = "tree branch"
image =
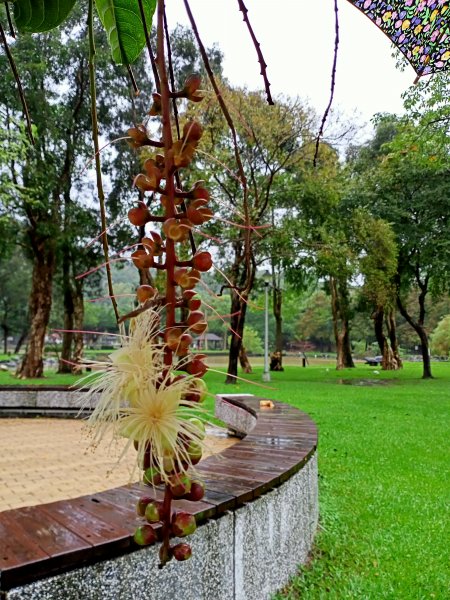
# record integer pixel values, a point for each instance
(12, 33)
(177, 122)
(230, 123)
(149, 48)
(257, 45)
(333, 82)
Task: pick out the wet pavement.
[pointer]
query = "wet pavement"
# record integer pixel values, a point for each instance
(43, 460)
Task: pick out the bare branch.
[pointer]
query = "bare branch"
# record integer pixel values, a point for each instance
(133, 80)
(149, 47)
(257, 45)
(12, 33)
(333, 81)
(233, 133)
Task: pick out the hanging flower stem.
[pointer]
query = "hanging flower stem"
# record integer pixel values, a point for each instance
(170, 244)
(144, 395)
(168, 174)
(168, 447)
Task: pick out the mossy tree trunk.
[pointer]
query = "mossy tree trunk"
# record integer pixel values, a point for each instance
(341, 324)
(39, 308)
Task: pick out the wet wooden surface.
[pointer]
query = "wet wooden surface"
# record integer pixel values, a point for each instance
(42, 540)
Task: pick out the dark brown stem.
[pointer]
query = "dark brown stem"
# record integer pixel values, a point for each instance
(98, 168)
(257, 45)
(156, 219)
(148, 304)
(12, 33)
(184, 263)
(181, 194)
(169, 212)
(160, 266)
(333, 82)
(172, 77)
(133, 80)
(174, 96)
(179, 94)
(149, 47)
(164, 553)
(153, 143)
(12, 64)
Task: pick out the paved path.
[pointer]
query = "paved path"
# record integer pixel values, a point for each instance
(42, 460)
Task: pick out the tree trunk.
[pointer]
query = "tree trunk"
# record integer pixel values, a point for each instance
(277, 306)
(341, 325)
(425, 353)
(78, 322)
(20, 341)
(392, 333)
(419, 328)
(242, 276)
(39, 309)
(388, 362)
(237, 321)
(275, 362)
(346, 351)
(66, 350)
(243, 359)
(5, 338)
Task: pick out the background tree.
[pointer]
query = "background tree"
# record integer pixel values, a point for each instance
(378, 266)
(14, 292)
(440, 338)
(14, 269)
(321, 237)
(408, 186)
(269, 140)
(45, 199)
(252, 341)
(315, 322)
(53, 195)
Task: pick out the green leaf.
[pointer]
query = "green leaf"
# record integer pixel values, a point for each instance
(123, 24)
(36, 16)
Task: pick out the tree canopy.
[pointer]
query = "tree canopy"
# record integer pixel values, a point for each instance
(406, 183)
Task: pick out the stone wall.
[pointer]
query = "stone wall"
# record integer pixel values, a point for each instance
(31, 401)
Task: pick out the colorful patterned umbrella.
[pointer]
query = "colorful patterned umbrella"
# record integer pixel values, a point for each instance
(419, 28)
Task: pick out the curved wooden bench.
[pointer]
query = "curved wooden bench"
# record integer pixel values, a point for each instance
(44, 540)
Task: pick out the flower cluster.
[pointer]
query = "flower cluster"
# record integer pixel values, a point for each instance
(151, 390)
(156, 410)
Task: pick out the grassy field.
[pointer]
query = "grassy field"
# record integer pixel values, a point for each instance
(384, 477)
(384, 480)
(215, 361)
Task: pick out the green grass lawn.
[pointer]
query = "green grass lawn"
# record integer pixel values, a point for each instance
(384, 481)
(51, 378)
(384, 478)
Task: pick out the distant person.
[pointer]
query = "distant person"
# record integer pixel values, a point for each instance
(304, 359)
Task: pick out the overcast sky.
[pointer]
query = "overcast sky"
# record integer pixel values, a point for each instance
(297, 39)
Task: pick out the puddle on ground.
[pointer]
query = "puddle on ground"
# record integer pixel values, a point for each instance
(366, 382)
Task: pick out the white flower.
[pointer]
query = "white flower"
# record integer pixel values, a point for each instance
(143, 401)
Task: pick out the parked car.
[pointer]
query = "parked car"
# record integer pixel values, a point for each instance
(373, 361)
